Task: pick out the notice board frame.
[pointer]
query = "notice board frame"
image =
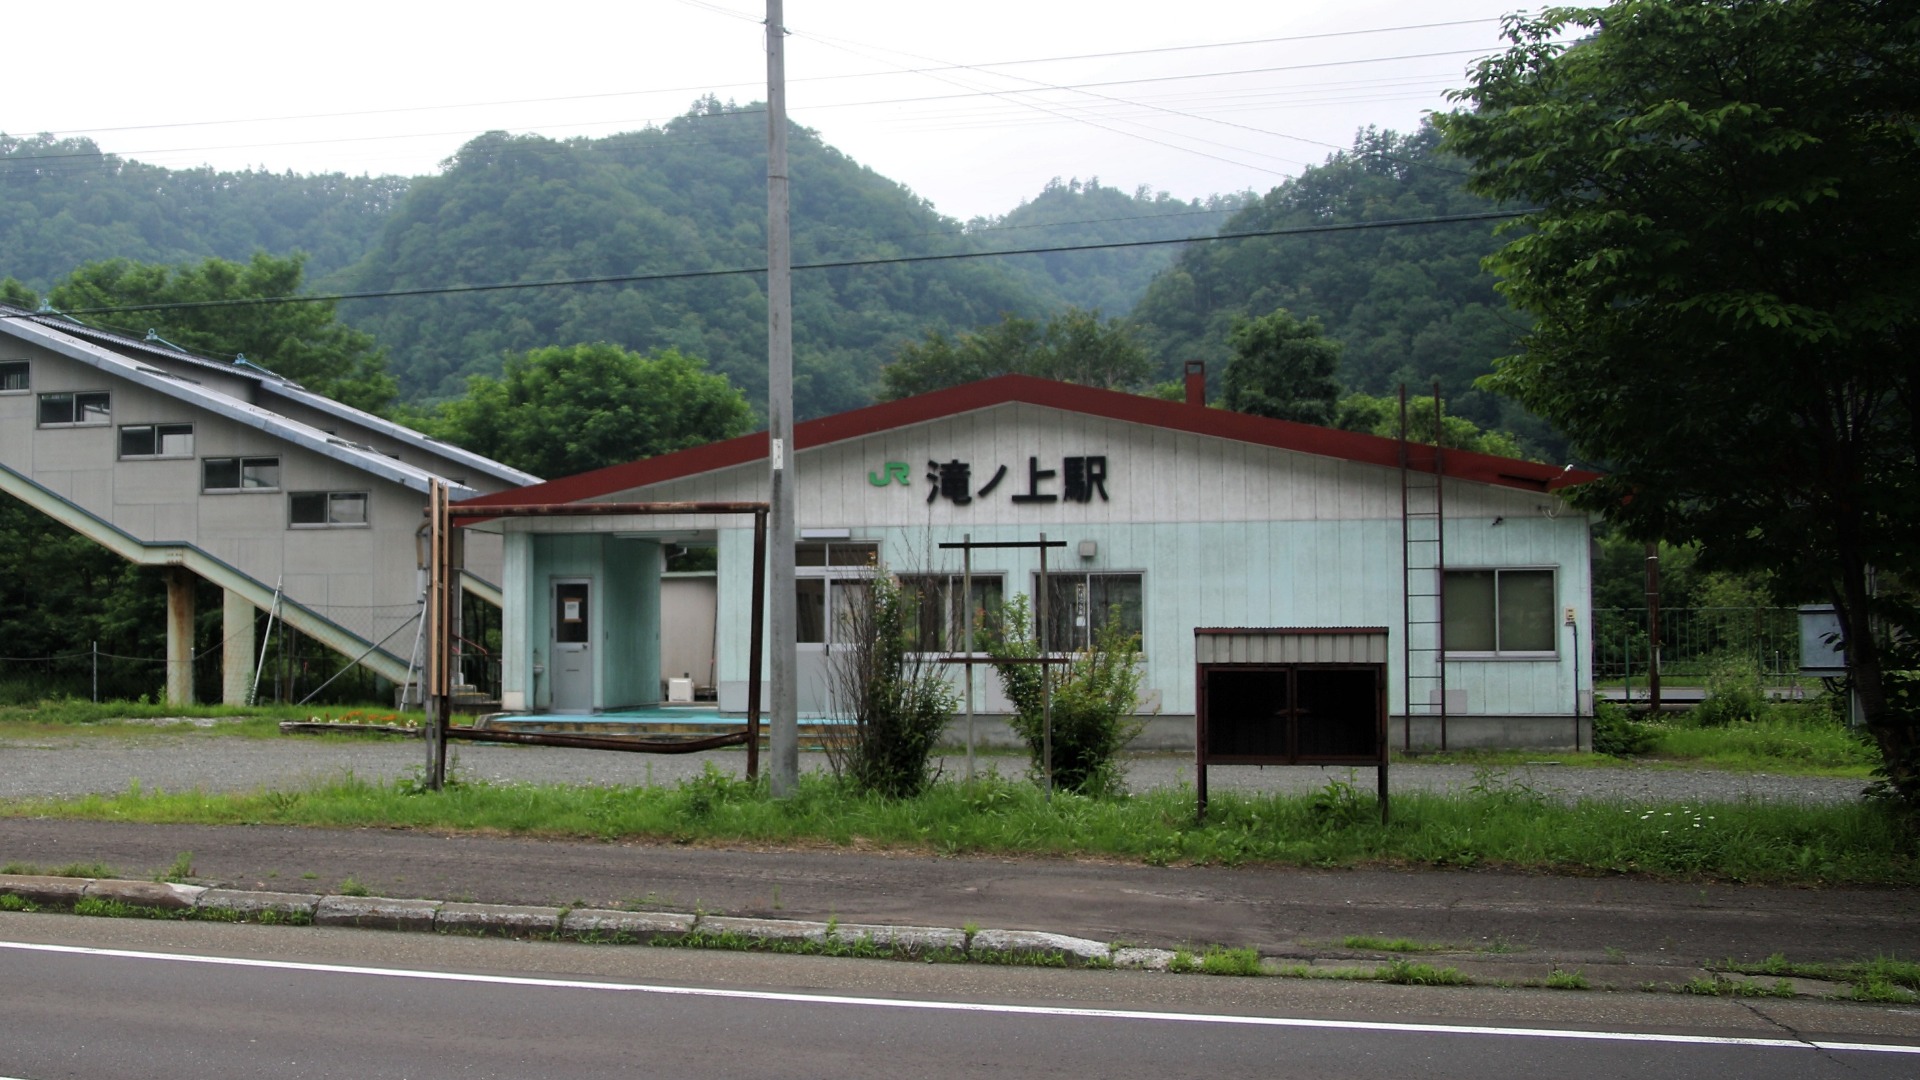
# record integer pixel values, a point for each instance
(1291, 650)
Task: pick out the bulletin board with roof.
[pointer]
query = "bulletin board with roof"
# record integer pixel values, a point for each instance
(1290, 696)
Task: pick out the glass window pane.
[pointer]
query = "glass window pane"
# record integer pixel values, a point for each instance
(175, 440)
(93, 408)
(13, 375)
(56, 408)
(810, 626)
(570, 617)
(1066, 622)
(1526, 611)
(307, 508)
(1116, 596)
(260, 472)
(845, 554)
(1469, 620)
(809, 554)
(221, 474)
(136, 441)
(347, 508)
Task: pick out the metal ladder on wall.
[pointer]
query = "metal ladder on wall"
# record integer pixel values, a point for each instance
(1423, 563)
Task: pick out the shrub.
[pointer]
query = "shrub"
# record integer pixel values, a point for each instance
(1734, 694)
(1617, 733)
(894, 700)
(1093, 697)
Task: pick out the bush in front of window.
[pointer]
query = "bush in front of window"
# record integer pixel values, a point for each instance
(894, 699)
(1093, 697)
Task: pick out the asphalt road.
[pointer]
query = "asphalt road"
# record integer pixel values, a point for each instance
(192, 1000)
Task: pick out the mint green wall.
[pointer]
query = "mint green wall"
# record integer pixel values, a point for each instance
(1250, 573)
(630, 608)
(626, 591)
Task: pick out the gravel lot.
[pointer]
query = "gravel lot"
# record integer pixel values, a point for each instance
(61, 766)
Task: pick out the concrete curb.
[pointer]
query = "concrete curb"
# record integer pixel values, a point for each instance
(670, 928)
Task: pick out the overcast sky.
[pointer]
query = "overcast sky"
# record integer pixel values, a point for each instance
(973, 105)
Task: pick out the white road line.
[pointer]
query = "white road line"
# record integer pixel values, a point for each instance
(973, 1007)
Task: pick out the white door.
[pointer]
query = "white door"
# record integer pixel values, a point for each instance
(572, 665)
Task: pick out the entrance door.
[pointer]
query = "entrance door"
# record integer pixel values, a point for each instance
(572, 646)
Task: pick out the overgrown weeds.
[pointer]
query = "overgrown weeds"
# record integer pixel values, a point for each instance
(1735, 841)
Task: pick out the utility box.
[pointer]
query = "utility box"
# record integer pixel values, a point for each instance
(680, 691)
(1290, 696)
(1821, 652)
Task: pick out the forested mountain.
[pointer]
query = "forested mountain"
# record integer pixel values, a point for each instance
(1068, 213)
(686, 202)
(1407, 303)
(64, 203)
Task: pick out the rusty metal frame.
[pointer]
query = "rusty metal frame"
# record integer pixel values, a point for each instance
(443, 525)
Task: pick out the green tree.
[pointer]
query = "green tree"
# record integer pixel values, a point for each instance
(302, 340)
(1282, 368)
(1724, 268)
(563, 410)
(1381, 416)
(1076, 346)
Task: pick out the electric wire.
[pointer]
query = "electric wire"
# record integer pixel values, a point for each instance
(842, 264)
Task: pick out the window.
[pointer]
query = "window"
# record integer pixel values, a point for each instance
(318, 509)
(240, 474)
(941, 625)
(13, 376)
(156, 441)
(1499, 612)
(828, 577)
(1079, 606)
(83, 409)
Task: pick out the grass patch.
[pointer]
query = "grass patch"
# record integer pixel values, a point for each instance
(1792, 740)
(1495, 826)
(1721, 986)
(1399, 945)
(1565, 980)
(1883, 978)
(1412, 973)
(10, 902)
(143, 719)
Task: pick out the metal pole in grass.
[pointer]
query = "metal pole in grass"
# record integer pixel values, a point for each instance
(966, 631)
(1046, 681)
(96, 673)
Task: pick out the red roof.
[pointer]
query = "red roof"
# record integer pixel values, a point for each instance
(1024, 389)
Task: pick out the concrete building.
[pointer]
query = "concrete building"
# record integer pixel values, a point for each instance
(1175, 516)
(228, 472)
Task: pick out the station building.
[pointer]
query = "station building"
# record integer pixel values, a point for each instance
(1175, 517)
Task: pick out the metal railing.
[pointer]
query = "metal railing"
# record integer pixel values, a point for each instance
(1695, 643)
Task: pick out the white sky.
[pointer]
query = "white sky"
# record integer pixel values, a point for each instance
(396, 87)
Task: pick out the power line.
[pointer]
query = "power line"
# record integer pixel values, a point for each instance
(843, 264)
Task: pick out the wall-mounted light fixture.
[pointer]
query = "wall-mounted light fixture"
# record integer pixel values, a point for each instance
(1089, 548)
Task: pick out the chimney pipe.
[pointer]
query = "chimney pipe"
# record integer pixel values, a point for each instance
(1197, 383)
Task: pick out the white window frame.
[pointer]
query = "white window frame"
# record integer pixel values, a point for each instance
(952, 618)
(159, 433)
(1498, 652)
(843, 564)
(81, 407)
(332, 500)
(241, 464)
(1083, 633)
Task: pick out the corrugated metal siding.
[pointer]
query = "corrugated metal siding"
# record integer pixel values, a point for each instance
(1287, 646)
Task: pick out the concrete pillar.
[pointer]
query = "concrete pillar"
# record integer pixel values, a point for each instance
(236, 656)
(180, 583)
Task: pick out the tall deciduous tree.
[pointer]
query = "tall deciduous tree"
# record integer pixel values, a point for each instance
(302, 340)
(563, 410)
(1076, 346)
(1725, 268)
(1282, 367)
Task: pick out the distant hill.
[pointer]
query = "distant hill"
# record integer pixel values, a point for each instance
(64, 203)
(1409, 304)
(1068, 213)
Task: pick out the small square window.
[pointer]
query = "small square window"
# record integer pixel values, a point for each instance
(13, 376)
(1500, 612)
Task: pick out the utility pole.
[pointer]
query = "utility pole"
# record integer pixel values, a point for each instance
(782, 607)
